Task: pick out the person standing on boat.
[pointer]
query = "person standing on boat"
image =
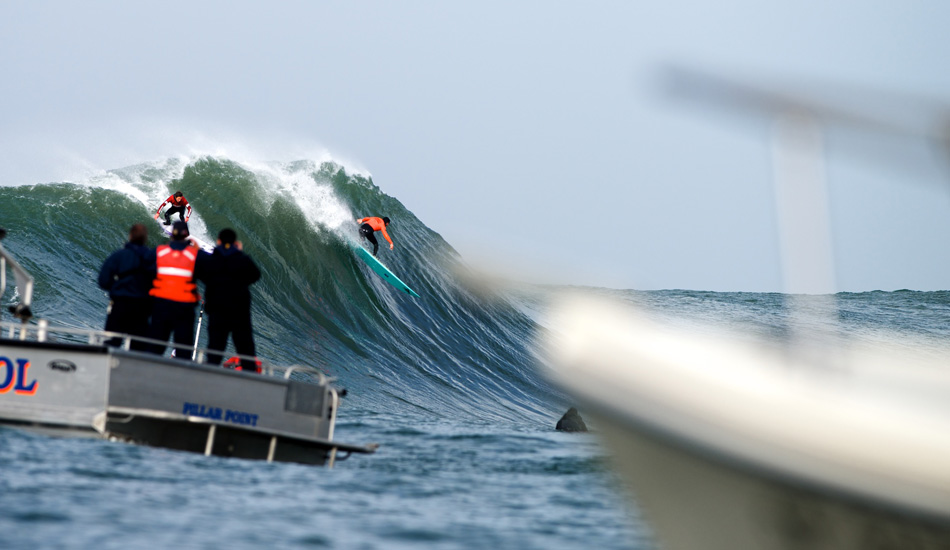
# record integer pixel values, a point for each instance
(371, 225)
(127, 275)
(228, 274)
(175, 292)
(178, 204)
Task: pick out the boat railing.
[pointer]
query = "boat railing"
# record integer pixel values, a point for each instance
(41, 331)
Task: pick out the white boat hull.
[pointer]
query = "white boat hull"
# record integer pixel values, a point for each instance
(729, 444)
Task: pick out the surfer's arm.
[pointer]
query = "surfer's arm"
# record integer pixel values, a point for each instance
(159, 211)
(188, 215)
(383, 230)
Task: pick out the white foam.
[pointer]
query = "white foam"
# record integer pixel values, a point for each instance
(277, 179)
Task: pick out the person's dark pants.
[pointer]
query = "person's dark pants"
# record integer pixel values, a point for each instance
(178, 318)
(129, 316)
(366, 231)
(238, 325)
(180, 210)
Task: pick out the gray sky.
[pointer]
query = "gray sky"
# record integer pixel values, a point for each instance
(532, 135)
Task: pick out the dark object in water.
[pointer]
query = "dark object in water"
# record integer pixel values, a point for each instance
(571, 422)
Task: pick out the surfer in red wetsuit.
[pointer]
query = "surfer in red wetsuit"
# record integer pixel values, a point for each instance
(371, 225)
(179, 203)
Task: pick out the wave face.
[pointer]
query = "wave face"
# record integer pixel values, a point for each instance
(451, 352)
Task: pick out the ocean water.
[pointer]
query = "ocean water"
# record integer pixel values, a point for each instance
(450, 384)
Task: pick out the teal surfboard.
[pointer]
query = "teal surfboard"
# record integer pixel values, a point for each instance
(382, 270)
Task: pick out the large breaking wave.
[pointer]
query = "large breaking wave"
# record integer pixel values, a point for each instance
(450, 352)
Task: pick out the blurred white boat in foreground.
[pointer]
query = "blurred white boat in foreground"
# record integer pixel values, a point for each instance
(733, 444)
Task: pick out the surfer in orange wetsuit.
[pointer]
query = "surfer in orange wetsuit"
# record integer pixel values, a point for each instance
(371, 225)
(179, 203)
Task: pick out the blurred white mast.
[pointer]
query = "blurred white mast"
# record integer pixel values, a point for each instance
(801, 204)
(799, 122)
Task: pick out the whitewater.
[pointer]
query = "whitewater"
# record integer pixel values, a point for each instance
(451, 384)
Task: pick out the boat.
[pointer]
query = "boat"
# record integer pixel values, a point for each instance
(726, 441)
(66, 381)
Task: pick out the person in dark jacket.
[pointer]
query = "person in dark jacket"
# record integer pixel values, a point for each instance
(127, 275)
(228, 274)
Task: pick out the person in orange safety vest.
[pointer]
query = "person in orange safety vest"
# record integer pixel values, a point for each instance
(370, 226)
(175, 292)
(178, 204)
